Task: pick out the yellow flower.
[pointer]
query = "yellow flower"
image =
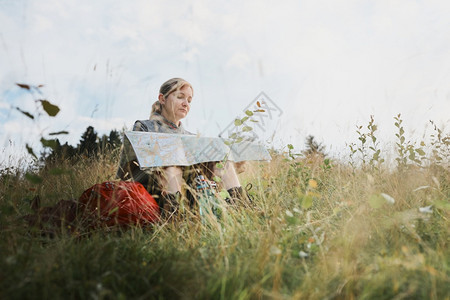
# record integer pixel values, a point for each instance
(312, 183)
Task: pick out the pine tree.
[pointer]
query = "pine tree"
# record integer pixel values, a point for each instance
(110, 142)
(88, 143)
(115, 140)
(313, 147)
(60, 152)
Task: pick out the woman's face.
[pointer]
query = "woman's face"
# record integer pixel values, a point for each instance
(177, 104)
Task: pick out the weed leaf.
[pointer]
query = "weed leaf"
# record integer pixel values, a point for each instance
(217, 179)
(33, 178)
(59, 132)
(57, 171)
(420, 152)
(51, 109)
(23, 86)
(30, 151)
(307, 201)
(442, 204)
(49, 143)
(113, 210)
(26, 113)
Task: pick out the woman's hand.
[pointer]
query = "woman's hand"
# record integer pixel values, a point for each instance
(240, 167)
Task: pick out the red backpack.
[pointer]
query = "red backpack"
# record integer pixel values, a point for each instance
(119, 203)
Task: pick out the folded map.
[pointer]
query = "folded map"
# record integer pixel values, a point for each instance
(152, 149)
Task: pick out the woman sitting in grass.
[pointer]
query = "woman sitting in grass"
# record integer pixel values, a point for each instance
(173, 104)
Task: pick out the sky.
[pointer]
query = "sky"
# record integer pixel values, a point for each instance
(327, 65)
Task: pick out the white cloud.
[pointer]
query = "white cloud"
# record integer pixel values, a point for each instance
(42, 24)
(4, 105)
(239, 60)
(190, 54)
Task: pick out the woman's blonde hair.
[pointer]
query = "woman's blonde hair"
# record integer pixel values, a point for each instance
(168, 87)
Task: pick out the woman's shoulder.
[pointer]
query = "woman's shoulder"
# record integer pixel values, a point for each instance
(145, 125)
(156, 125)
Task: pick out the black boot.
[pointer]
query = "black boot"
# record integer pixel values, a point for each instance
(169, 204)
(239, 196)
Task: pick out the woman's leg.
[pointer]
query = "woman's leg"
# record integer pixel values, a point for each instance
(171, 180)
(231, 183)
(228, 175)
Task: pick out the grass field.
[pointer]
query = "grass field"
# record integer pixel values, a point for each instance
(319, 230)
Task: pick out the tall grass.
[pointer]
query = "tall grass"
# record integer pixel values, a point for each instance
(318, 231)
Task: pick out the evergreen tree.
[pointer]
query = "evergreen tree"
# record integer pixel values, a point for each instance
(88, 144)
(313, 147)
(115, 139)
(60, 152)
(110, 142)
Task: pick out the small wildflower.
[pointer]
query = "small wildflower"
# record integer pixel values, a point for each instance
(302, 254)
(297, 210)
(274, 250)
(388, 198)
(426, 209)
(312, 183)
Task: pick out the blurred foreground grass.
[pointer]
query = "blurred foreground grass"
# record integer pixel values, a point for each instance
(320, 230)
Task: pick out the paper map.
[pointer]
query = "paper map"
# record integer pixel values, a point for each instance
(153, 149)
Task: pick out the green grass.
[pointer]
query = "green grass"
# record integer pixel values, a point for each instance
(358, 245)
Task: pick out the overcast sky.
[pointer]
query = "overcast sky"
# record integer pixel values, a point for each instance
(328, 65)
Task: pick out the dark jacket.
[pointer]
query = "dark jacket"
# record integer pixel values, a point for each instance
(157, 123)
(150, 178)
